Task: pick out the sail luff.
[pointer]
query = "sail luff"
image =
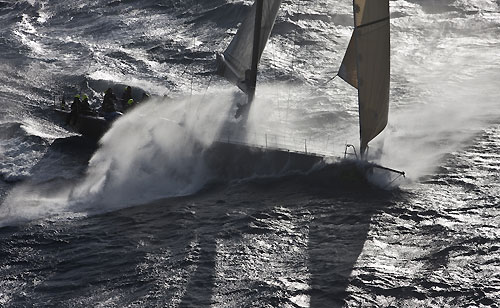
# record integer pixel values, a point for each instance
(362, 146)
(252, 79)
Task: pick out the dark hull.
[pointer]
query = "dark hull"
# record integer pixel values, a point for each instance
(89, 126)
(234, 161)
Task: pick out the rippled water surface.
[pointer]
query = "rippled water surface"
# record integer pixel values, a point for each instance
(141, 220)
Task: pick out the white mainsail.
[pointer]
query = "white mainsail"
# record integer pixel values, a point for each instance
(237, 59)
(366, 66)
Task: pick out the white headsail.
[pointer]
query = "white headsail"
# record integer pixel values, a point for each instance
(237, 59)
(366, 66)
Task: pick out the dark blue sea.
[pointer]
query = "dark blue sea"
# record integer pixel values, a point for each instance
(141, 219)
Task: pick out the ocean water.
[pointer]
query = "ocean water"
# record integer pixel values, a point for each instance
(141, 220)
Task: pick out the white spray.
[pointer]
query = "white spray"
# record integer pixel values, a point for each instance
(444, 89)
(153, 151)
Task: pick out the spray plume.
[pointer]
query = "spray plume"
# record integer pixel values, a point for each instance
(153, 151)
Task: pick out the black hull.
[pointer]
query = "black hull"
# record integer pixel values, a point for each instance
(89, 126)
(236, 161)
(232, 160)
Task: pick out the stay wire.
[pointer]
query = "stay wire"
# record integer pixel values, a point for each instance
(208, 85)
(182, 74)
(389, 184)
(292, 69)
(324, 83)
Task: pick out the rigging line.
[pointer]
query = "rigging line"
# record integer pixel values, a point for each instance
(197, 112)
(293, 58)
(185, 70)
(192, 70)
(191, 94)
(393, 181)
(324, 84)
(190, 103)
(273, 44)
(192, 81)
(295, 35)
(208, 85)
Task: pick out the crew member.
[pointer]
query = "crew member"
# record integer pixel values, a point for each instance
(126, 96)
(73, 115)
(108, 103)
(130, 103)
(85, 106)
(63, 103)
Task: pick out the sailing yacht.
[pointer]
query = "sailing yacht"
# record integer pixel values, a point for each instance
(365, 66)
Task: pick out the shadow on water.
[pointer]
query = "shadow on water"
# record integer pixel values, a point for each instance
(131, 257)
(337, 234)
(340, 213)
(201, 284)
(166, 252)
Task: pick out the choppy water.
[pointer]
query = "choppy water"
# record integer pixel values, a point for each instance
(143, 221)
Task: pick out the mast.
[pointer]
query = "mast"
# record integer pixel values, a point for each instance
(355, 9)
(238, 63)
(252, 75)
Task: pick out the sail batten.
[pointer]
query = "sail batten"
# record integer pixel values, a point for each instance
(236, 61)
(373, 22)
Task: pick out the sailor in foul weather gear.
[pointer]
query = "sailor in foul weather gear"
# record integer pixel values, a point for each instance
(73, 115)
(131, 103)
(63, 103)
(108, 103)
(85, 106)
(127, 95)
(108, 106)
